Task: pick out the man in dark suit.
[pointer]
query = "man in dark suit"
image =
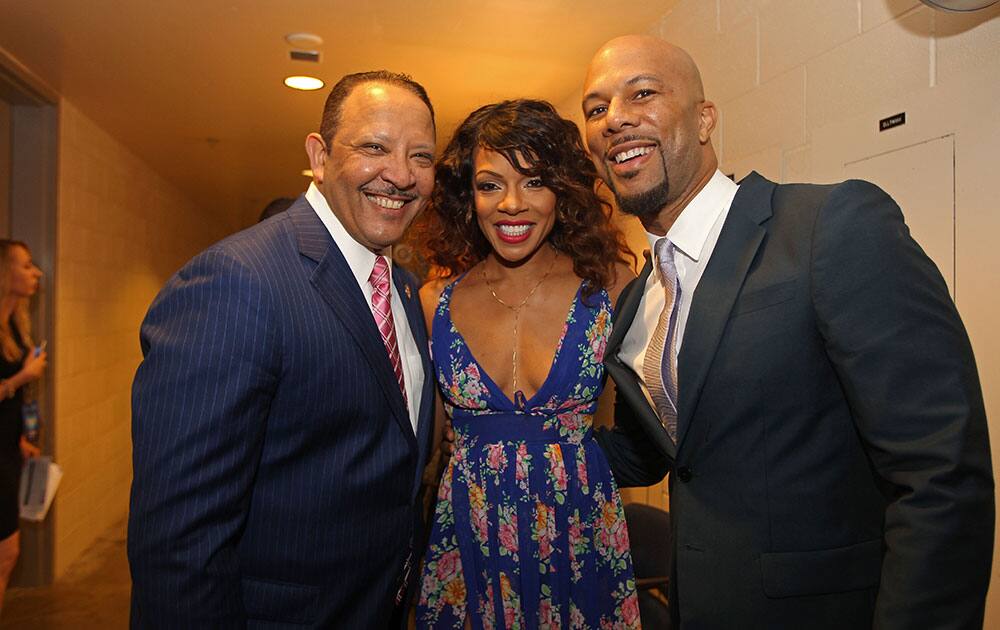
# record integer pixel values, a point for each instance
(281, 414)
(795, 359)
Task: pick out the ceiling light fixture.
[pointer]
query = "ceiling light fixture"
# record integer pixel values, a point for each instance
(303, 83)
(304, 40)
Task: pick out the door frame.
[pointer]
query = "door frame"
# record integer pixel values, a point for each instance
(34, 184)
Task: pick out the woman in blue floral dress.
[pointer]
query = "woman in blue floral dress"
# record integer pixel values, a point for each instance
(528, 530)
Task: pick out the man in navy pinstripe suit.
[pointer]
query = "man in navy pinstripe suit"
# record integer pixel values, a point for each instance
(279, 431)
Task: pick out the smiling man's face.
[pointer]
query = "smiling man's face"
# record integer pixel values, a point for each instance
(647, 127)
(378, 171)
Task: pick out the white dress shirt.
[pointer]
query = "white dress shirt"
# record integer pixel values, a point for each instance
(361, 260)
(694, 235)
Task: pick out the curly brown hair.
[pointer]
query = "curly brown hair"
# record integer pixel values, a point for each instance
(551, 148)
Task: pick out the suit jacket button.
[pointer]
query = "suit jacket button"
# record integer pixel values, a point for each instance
(684, 474)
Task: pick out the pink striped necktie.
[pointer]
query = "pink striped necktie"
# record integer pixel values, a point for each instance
(660, 365)
(382, 310)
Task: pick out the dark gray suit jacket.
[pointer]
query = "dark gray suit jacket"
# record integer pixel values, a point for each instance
(832, 467)
(276, 470)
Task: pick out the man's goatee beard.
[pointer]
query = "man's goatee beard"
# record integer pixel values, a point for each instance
(645, 204)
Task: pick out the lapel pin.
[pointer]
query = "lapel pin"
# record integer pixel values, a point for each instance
(406, 290)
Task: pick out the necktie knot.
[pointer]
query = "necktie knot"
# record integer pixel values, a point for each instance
(665, 260)
(379, 278)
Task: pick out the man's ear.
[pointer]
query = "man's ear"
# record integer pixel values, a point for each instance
(709, 118)
(316, 150)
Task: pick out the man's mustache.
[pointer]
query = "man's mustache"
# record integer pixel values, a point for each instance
(623, 139)
(390, 191)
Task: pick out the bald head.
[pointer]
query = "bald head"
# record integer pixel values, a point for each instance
(649, 127)
(647, 51)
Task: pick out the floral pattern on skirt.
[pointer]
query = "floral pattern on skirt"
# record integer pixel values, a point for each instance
(528, 529)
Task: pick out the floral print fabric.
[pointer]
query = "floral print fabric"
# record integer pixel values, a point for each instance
(528, 530)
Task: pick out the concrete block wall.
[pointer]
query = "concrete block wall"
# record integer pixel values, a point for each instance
(122, 231)
(778, 69)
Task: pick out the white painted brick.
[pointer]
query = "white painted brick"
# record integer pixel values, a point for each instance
(766, 162)
(870, 71)
(876, 12)
(771, 115)
(731, 68)
(968, 42)
(719, 137)
(796, 165)
(108, 200)
(735, 13)
(794, 31)
(691, 25)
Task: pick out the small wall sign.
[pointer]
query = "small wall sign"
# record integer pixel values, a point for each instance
(892, 121)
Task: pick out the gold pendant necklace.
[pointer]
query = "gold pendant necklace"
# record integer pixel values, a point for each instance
(518, 395)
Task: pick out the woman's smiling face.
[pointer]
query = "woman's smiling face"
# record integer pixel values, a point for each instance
(516, 212)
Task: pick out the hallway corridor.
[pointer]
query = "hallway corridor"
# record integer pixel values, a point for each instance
(93, 594)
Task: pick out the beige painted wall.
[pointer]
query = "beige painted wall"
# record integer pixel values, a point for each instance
(790, 75)
(122, 231)
(4, 168)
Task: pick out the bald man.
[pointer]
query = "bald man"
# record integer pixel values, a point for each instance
(794, 358)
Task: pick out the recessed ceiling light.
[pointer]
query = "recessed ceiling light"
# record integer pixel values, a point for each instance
(304, 40)
(303, 83)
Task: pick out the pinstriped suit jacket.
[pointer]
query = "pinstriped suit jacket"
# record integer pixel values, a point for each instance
(276, 472)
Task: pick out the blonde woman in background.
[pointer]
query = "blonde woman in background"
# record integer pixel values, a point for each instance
(20, 364)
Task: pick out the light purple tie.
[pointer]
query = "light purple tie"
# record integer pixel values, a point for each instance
(659, 368)
(382, 309)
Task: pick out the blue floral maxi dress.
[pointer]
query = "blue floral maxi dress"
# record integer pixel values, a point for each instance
(528, 530)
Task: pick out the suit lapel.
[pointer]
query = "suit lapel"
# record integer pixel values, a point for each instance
(626, 380)
(415, 320)
(336, 284)
(717, 290)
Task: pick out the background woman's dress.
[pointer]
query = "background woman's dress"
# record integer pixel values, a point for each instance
(528, 530)
(10, 444)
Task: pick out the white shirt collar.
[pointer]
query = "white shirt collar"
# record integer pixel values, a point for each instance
(360, 259)
(690, 231)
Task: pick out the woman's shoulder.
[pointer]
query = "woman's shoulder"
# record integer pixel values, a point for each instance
(430, 294)
(432, 289)
(437, 285)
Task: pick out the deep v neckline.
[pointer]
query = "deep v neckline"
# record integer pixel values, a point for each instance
(492, 385)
